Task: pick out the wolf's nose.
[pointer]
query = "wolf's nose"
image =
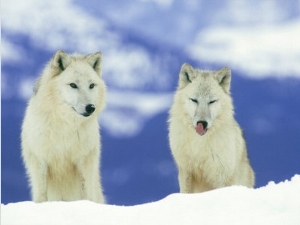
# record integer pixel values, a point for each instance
(90, 108)
(204, 124)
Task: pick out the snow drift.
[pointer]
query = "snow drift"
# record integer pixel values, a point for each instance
(272, 204)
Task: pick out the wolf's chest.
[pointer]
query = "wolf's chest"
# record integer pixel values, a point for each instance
(62, 143)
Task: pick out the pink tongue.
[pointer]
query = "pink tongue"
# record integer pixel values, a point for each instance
(200, 129)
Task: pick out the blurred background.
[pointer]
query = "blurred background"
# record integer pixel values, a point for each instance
(144, 43)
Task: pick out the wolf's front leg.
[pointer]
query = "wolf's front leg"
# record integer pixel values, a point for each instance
(37, 171)
(90, 174)
(185, 181)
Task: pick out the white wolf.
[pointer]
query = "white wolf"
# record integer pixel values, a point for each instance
(206, 141)
(60, 132)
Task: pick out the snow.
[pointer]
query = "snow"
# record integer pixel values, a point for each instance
(225, 34)
(272, 204)
(161, 3)
(259, 51)
(125, 66)
(262, 45)
(127, 111)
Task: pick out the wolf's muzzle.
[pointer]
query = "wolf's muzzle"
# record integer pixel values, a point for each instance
(89, 109)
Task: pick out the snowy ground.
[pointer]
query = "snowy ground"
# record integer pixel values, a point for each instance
(272, 204)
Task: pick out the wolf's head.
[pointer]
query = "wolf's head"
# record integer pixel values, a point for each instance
(74, 83)
(205, 95)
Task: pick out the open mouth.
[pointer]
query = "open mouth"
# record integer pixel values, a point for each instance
(201, 127)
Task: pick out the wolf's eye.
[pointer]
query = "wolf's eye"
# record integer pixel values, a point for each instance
(92, 86)
(194, 100)
(73, 85)
(211, 102)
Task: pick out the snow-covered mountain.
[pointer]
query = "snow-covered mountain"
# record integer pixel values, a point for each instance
(270, 205)
(144, 44)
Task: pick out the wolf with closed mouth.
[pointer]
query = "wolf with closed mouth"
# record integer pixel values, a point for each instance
(206, 141)
(60, 132)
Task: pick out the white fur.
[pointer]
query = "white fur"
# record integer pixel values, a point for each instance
(61, 146)
(218, 158)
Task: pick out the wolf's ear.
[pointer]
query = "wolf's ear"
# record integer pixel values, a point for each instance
(186, 75)
(60, 61)
(95, 61)
(223, 76)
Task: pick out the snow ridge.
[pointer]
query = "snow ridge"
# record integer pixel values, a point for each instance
(272, 204)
